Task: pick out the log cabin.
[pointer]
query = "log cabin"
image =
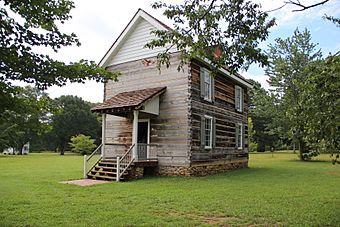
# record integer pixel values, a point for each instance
(167, 122)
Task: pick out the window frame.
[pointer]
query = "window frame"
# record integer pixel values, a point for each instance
(206, 117)
(239, 136)
(240, 100)
(207, 94)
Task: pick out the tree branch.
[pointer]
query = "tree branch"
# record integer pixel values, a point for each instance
(303, 7)
(272, 10)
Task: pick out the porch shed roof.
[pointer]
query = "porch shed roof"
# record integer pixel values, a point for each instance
(128, 101)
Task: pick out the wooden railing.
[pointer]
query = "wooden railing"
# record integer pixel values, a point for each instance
(147, 151)
(91, 161)
(124, 162)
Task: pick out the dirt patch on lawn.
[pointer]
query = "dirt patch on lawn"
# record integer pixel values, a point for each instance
(85, 182)
(334, 173)
(207, 219)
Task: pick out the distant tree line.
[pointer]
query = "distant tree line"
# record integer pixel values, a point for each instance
(48, 124)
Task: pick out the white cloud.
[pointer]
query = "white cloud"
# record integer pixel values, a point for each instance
(261, 78)
(90, 91)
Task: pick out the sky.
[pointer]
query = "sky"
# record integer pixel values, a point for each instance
(99, 23)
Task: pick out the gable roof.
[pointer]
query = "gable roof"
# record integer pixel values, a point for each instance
(140, 14)
(157, 24)
(127, 101)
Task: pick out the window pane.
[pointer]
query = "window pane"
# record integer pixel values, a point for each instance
(239, 136)
(207, 132)
(238, 98)
(207, 85)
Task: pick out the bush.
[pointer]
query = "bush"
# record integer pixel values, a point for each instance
(252, 147)
(82, 144)
(310, 155)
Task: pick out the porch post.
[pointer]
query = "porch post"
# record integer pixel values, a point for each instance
(135, 134)
(103, 135)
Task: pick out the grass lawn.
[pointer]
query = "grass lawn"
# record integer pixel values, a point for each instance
(274, 191)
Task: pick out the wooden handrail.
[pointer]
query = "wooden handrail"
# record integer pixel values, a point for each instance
(87, 159)
(93, 153)
(124, 160)
(128, 151)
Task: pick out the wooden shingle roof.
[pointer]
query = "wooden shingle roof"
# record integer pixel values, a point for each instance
(128, 101)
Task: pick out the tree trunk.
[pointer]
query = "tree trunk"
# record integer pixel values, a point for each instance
(62, 150)
(20, 149)
(302, 148)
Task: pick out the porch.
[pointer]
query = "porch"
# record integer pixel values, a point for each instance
(114, 161)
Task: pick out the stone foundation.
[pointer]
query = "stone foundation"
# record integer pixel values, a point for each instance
(202, 169)
(136, 172)
(195, 169)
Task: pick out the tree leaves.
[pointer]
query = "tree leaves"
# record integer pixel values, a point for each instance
(28, 24)
(200, 26)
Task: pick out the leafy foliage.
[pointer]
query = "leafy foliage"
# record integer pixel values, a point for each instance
(266, 118)
(82, 144)
(234, 27)
(37, 27)
(288, 60)
(25, 119)
(26, 26)
(251, 132)
(333, 19)
(321, 100)
(73, 117)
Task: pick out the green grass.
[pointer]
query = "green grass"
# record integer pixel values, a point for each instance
(274, 191)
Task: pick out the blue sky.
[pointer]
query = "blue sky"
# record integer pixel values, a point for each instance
(323, 32)
(98, 24)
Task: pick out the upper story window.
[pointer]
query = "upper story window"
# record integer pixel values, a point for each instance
(239, 136)
(238, 98)
(207, 84)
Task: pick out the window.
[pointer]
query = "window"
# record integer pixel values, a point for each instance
(207, 84)
(239, 136)
(208, 132)
(238, 98)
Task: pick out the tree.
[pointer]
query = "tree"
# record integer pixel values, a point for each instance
(265, 114)
(25, 25)
(320, 100)
(82, 144)
(26, 119)
(288, 60)
(233, 27)
(73, 117)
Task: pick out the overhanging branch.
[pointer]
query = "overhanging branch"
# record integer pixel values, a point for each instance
(304, 7)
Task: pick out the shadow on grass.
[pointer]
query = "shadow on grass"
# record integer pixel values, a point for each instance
(310, 161)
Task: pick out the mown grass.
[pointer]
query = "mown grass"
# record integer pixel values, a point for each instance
(274, 191)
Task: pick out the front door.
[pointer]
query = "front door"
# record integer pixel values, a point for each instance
(143, 139)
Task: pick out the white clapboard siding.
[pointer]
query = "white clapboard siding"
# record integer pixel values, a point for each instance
(132, 48)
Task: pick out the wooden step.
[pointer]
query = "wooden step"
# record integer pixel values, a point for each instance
(109, 168)
(103, 177)
(94, 172)
(109, 160)
(107, 163)
(105, 172)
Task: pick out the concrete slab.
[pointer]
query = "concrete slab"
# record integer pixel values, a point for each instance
(85, 182)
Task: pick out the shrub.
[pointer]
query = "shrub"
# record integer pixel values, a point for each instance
(252, 147)
(82, 144)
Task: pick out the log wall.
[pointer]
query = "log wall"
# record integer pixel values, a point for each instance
(170, 128)
(222, 109)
